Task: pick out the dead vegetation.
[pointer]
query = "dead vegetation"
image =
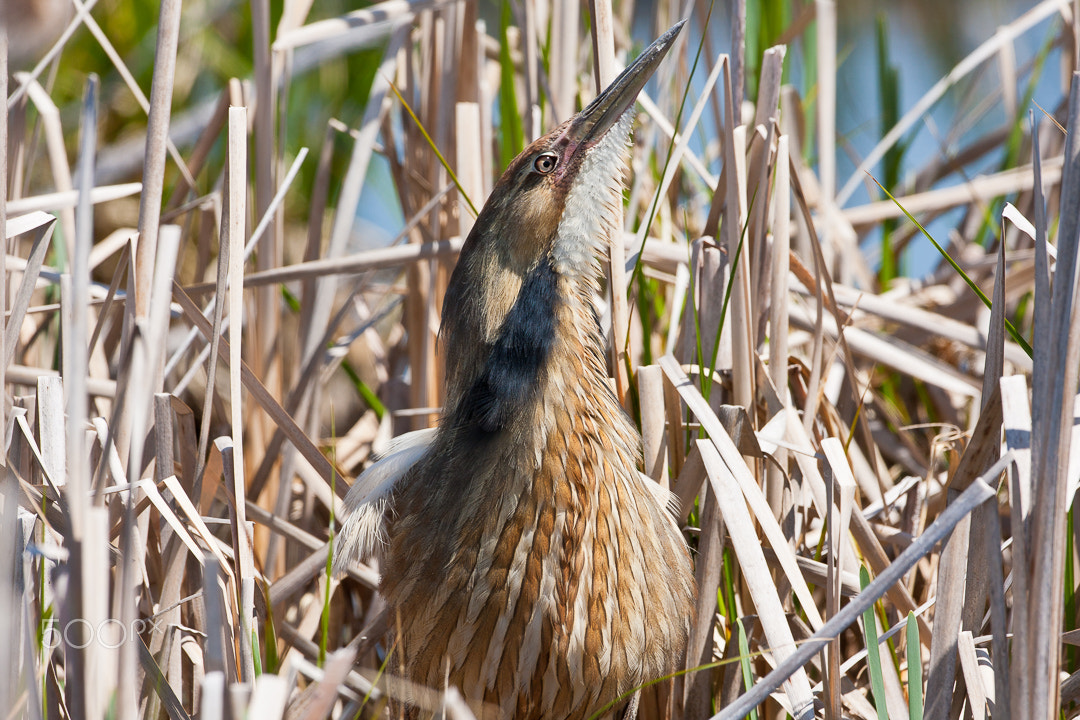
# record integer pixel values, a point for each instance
(190, 385)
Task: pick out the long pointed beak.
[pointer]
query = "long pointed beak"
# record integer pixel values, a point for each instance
(595, 120)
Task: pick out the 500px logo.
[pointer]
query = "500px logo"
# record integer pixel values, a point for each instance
(80, 633)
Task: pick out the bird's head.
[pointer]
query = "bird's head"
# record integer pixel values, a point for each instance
(548, 220)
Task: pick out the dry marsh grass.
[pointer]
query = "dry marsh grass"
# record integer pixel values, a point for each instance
(200, 349)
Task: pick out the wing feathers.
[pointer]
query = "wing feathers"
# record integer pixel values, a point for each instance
(368, 499)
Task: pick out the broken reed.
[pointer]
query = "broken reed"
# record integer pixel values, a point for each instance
(172, 471)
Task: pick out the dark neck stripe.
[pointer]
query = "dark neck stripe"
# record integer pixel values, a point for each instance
(512, 372)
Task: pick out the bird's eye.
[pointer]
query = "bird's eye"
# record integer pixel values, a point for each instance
(545, 162)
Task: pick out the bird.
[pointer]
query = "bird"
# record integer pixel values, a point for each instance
(525, 559)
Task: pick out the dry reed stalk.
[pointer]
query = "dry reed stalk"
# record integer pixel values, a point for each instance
(680, 148)
(770, 611)
(981, 543)
(653, 423)
(76, 355)
(232, 256)
(154, 159)
(778, 307)
(982, 188)
(9, 620)
(356, 263)
(563, 48)
(698, 684)
(754, 497)
(248, 248)
(469, 161)
(975, 495)
(735, 242)
(1018, 424)
(54, 142)
(759, 186)
(532, 29)
(260, 395)
(89, 525)
(1052, 418)
(131, 84)
(42, 236)
(982, 53)
(826, 124)
(264, 331)
(829, 369)
(977, 695)
(604, 71)
(56, 201)
(840, 492)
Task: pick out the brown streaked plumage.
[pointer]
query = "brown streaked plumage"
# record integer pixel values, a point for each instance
(525, 558)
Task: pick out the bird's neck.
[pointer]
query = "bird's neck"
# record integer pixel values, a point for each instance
(549, 337)
(530, 418)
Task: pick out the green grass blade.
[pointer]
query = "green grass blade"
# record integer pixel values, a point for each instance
(510, 123)
(435, 149)
(378, 676)
(1016, 336)
(272, 662)
(707, 379)
(324, 621)
(766, 22)
(914, 669)
(1070, 655)
(363, 390)
(728, 577)
(873, 652)
(744, 662)
(256, 656)
(603, 712)
(654, 204)
(889, 95)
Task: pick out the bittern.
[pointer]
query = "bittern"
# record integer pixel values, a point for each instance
(525, 558)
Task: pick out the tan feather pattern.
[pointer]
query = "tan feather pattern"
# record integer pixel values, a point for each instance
(548, 591)
(526, 560)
